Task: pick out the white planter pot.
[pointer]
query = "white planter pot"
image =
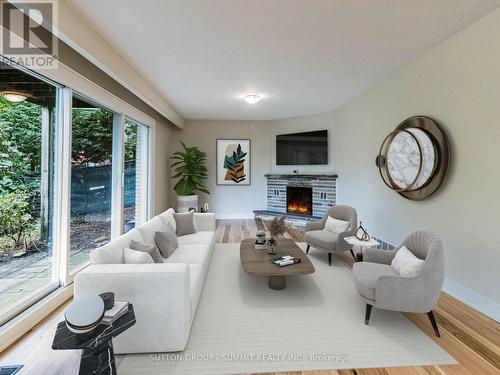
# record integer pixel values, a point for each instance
(185, 202)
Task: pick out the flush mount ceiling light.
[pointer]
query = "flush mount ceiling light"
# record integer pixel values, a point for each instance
(14, 96)
(252, 98)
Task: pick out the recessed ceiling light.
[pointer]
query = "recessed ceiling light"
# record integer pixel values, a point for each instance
(13, 96)
(252, 98)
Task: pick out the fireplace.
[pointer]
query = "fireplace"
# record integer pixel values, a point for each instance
(316, 192)
(299, 200)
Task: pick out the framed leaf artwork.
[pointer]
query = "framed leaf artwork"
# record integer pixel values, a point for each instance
(233, 162)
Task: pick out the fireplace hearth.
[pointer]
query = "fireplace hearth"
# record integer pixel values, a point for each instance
(299, 200)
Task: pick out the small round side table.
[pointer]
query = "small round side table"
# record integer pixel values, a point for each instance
(353, 241)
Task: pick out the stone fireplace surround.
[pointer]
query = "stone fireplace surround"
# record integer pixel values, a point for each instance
(323, 196)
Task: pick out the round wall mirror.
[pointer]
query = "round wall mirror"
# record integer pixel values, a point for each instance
(414, 158)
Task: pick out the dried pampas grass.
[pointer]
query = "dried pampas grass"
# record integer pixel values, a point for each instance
(277, 227)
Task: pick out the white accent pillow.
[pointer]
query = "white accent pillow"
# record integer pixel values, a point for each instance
(406, 264)
(335, 225)
(168, 218)
(107, 254)
(136, 257)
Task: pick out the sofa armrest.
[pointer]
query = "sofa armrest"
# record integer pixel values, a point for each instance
(205, 221)
(378, 256)
(160, 295)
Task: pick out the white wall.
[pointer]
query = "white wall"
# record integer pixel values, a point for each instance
(319, 121)
(161, 171)
(230, 201)
(458, 84)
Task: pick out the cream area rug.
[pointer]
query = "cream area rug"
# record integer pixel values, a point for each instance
(317, 322)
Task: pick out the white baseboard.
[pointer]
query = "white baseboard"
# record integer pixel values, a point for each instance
(482, 304)
(234, 216)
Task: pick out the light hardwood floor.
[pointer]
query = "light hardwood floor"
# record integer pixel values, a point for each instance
(470, 337)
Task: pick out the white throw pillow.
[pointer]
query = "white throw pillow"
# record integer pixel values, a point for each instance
(107, 254)
(136, 257)
(168, 218)
(406, 264)
(335, 225)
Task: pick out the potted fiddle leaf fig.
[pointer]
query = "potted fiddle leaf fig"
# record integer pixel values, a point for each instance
(189, 167)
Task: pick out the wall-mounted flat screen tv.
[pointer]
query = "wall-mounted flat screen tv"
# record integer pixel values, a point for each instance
(308, 148)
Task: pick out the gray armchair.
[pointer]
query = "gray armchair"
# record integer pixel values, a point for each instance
(327, 241)
(381, 286)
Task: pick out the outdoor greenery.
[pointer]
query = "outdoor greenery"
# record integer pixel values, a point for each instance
(92, 136)
(15, 217)
(191, 170)
(20, 164)
(20, 140)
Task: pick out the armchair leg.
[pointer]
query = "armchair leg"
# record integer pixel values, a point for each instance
(430, 314)
(307, 250)
(329, 259)
(352, 253)
(368, 313)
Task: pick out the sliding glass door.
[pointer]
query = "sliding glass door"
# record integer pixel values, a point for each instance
(73, 175)
(136, 176)
(28, 110)
(91, 171)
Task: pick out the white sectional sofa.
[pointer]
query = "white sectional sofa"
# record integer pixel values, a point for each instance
(165, 295)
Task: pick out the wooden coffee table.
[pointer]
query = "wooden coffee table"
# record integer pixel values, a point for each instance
(256, 262)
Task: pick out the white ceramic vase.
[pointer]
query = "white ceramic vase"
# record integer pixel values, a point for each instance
(185, 202)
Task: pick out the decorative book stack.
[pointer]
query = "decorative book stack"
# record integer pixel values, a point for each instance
(115, 312)
(286, 260)
(261, 246)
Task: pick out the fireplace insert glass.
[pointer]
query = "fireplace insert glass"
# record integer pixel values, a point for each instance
(299, 200)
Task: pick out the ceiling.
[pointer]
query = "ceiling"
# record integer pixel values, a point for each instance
(305, 56)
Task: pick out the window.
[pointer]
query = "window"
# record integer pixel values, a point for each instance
(91, 176)
(28, 109)
(73, 175)
(136, 179)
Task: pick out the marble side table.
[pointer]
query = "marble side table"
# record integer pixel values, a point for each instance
(98, 357)
(353, 241)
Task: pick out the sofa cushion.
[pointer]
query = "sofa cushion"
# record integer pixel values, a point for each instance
(185, 223)
(203, 237)
(196, 281)
(150, 249)
(366, 275)
(149, 229)
(136, 257)
(168, 218)
(322, 238)
(166, 241)
(191, 253)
